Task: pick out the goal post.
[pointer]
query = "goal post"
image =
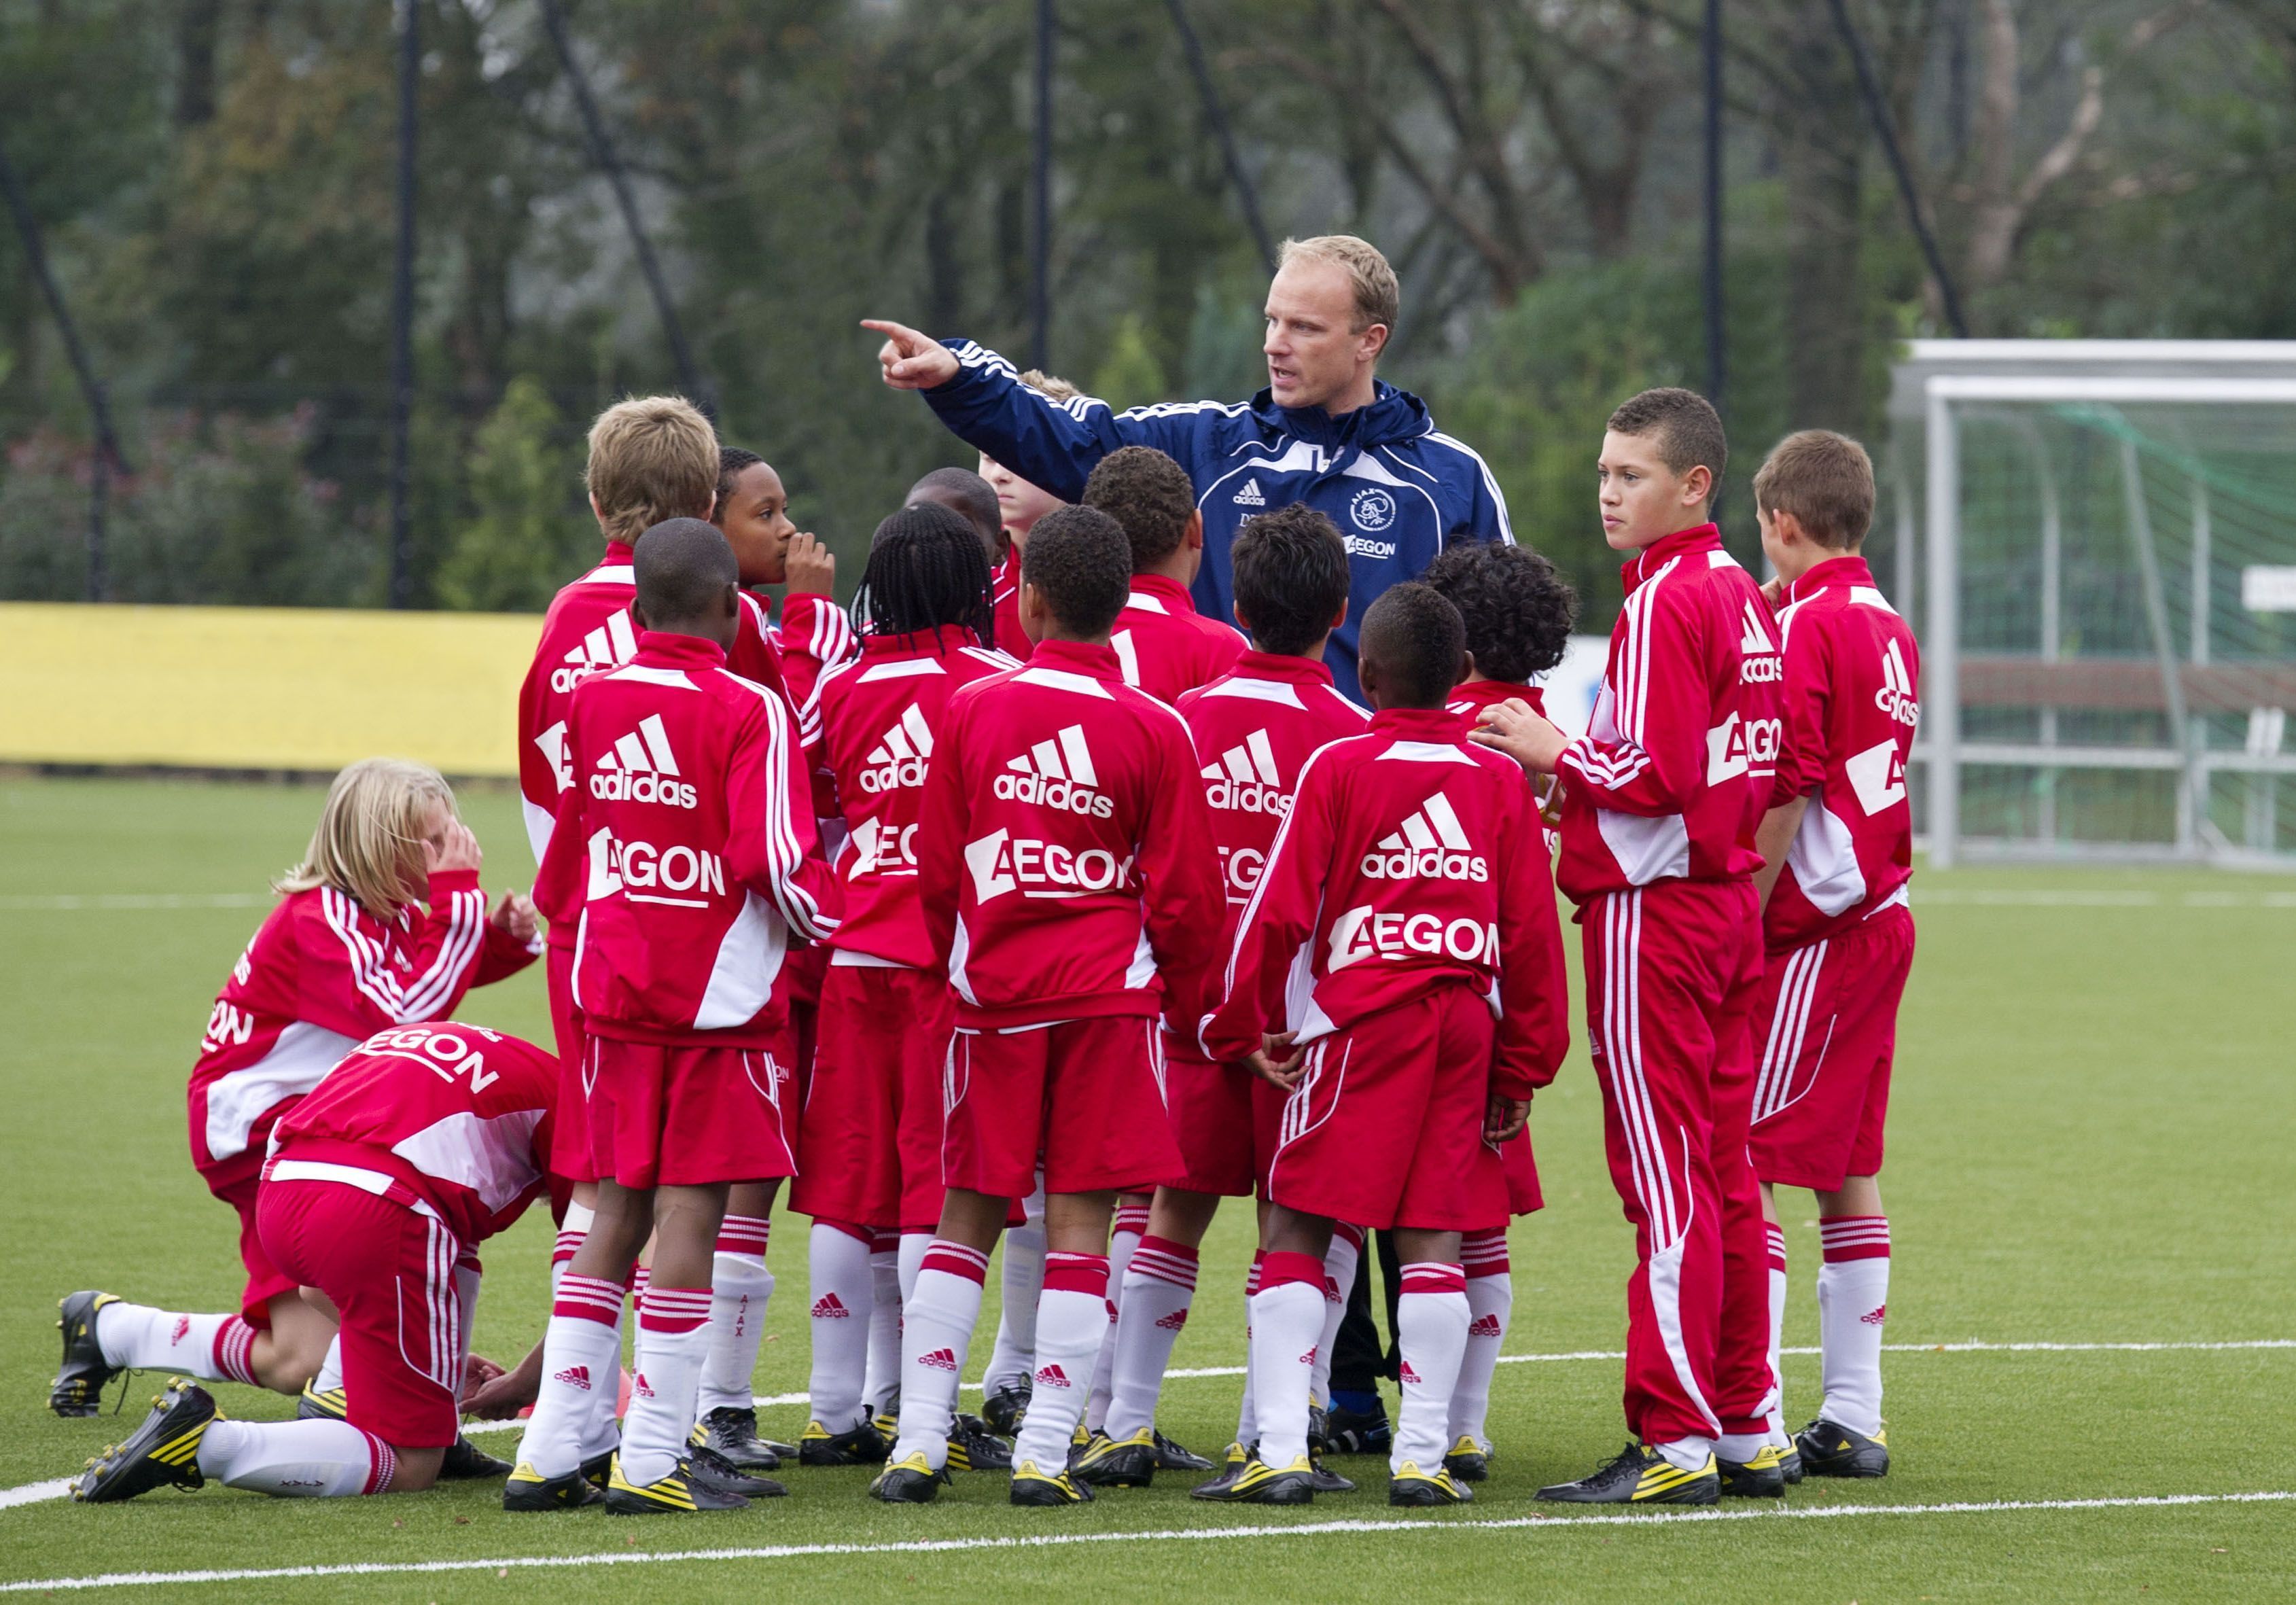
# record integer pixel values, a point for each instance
(2105, 589)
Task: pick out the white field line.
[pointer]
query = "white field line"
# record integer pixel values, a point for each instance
(2036, 898)
(67, 901)
(1307, 1529)
(33, 1492)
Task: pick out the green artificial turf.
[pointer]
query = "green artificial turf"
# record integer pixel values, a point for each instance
(2089, 1143)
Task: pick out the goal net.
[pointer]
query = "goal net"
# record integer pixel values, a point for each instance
(2100, 557)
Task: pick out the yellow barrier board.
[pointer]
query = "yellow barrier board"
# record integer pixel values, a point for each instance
(260, 688)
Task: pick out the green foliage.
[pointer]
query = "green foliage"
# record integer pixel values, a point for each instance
(527, 533)
(1129, 375)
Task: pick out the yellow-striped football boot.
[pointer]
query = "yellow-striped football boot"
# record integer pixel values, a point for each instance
(160, 1454)
(1764, 1477)
(679, 1493)
(1411, 1486)
(1259, 1483)
(1641, 1475)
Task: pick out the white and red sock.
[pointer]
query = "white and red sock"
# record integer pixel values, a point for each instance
(1777, 1434)
(1431, 1330)
(296, 1460)
(215, 1348)
(1160, 1284)
(843, 1284)
(1014, 1357)
(581, 1371)
(1131, 1226)
(741, 1291)
(1247, 1409)
(1339, 1280)
(936, 1323)
(1287, 1321)
(1072, 1325)
(909, 1259)
(1490, 1304)
(666, 1380)
(573, 1230)
(331, 1368)
(1853, 1302)
(883, 1379)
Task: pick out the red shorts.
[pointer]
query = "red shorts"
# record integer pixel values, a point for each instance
(1386, 1127)
(684, 1115)
(1827, 1023)
(873, 1116)
(570, 1116)
(265, 1280)
(1087, 1095)
(1224, 1120)
(1520, 1170)
(390, 1272)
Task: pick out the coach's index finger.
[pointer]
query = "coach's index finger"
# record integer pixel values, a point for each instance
(912, 361)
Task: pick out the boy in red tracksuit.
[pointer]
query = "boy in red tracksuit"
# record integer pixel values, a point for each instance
(1254, 727)
(423, 1142)
(1021, 503)
(1518, 613)
(1402, 959)
(381, 924)
(1165, 645)
(1838, 851)
(871, 1135)
(685, 854)
(1060, 871)
(1661, 799)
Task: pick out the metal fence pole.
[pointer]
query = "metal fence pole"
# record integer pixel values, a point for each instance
(402, 309)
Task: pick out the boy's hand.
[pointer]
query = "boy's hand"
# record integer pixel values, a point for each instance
(812, 566)
(1773, 593)
(1512, 728)
(454, 849)
(514, 916)
(502, 1396)
(1504, 1118)
(912, 361)
(1276, 1072)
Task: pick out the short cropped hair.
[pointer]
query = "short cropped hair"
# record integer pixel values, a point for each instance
(681, 565)
(1685, 424)
(1148, 493)
(1826, 480)
(1416, 637)
(1379, 299)
(1517, 610)
(1050, 385)
(1290, 573)
(651, 458)
(733, 461)
(926, 569)
(1081, 565)
(965, 491)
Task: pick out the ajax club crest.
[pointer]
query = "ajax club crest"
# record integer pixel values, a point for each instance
(1371, 508)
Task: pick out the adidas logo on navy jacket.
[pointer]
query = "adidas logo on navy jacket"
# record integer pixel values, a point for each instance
(1410, 857)
(1061, 849)
(1398, 490)
(683, 910)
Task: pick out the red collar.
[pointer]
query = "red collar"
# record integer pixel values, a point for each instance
(658, 648)
(619, 551)
(935, 643)
(1848, 570)
(1656, 556)
(1420, 724)
(1490, 693)
(1077, 657)
(1275, 666)
(1170, 592)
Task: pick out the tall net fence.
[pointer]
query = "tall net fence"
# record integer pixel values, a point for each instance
(2123, 627)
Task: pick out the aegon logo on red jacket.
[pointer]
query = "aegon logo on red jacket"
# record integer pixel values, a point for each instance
(1431, 844)
(641, 768)
(644, 873)
(1057, 773)
(1002, 861)
(1366, 933)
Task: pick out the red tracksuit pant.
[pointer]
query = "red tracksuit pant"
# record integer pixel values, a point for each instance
(1672, 973)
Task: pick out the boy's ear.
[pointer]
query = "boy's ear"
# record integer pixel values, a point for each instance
(637, 613)
(1339, 617)
(1699, 482)
(1236, 609)
(1192, 536)
(1466, 667)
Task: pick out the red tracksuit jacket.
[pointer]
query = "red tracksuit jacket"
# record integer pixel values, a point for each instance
(1254, 729)
(1470, 696)
(588, 628)
(1411, 858)
(881, 715)
(1852, 672)
(1060, 851)
(322, 975)
(1672, 777)
(1011, 638)
(457, 1115)
(685, 851)
(1165, 645)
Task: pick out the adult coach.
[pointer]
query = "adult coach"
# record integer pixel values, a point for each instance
(1326, 430)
